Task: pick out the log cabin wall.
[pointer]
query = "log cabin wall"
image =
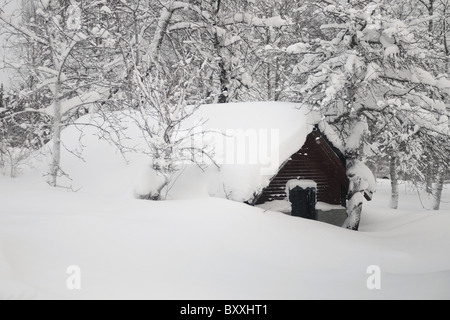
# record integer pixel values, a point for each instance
(317, 161)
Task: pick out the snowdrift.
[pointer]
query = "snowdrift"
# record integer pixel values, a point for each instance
(209, 249)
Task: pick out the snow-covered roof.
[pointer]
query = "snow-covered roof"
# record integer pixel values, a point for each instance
(289, 123)
(254, 140)
(305, 183)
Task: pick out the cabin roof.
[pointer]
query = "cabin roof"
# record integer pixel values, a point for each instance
(293, 121)
(273, 132)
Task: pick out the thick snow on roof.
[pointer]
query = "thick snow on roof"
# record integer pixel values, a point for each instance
(252, 141)
(292, 184)
(277, 125)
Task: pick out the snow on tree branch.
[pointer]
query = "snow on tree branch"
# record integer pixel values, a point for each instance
(8, 20)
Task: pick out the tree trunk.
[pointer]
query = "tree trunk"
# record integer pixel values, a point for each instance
(355, 197)
(439, 187)
(136, 40)
(223, 72)
(163, 24)
(277, 79)
(429, 178)
(431, 13)
(223, 77)
(154, 196)
(56, 148)
(269, 83)
(394, 182)
(444, 33)
(1, 96)
(269, 70)
(356, 191)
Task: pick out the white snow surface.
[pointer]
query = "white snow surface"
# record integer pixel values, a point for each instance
(203, 247)
(286, 207)
(323, 206)
(211, 248)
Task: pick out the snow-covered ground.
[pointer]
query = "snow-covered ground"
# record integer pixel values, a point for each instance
(211, 248)
(202, 247)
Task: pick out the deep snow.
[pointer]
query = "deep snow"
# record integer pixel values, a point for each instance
(211, 248)
(201, 247)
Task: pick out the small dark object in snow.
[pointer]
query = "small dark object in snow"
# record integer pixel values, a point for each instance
(303, 202)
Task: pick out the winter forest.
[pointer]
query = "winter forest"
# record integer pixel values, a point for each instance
(376, 65)
(376, 71)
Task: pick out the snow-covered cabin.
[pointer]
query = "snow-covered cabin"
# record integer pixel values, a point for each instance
(265, 146)
(261, 151)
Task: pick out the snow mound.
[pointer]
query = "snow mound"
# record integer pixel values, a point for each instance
(210, 249)
(292, 184)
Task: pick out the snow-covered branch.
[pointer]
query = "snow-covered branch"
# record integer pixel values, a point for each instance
(25, 31)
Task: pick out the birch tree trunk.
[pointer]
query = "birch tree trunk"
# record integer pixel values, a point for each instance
(221, 56)
(429, 178)
(439, 187)
(161, 29)
(431, 13)
(269, 70)
(356, 191)
(277, 79)
(394, 182)
(55, 165)
(355, 195)
(56, 148)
